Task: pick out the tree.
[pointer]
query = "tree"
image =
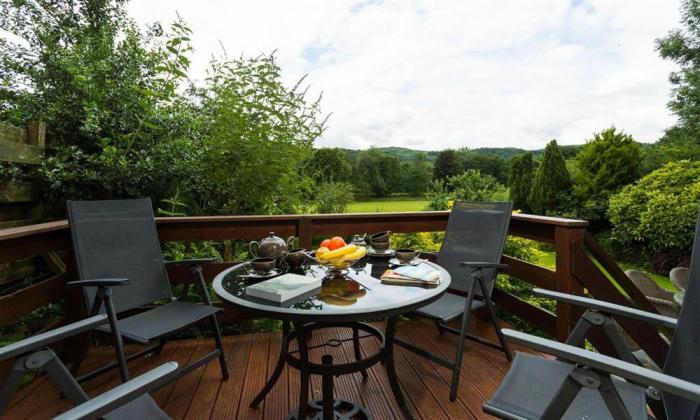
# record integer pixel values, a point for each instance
(520, 180)
(492, 165)
(329, 165)
(258, 135)
(416, 174)
(446, 165)
(377, 172)
(608, 161)
(681, 47)
(470, 185)
(107, 91)
(551, 179)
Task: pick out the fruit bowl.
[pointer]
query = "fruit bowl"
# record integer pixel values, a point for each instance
(340, 258)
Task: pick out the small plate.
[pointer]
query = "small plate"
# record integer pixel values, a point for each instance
(387, 253)
(395, 261)
(262, 276)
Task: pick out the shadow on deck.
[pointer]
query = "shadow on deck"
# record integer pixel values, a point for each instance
(203, 395)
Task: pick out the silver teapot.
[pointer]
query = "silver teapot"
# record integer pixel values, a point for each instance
(272, 247)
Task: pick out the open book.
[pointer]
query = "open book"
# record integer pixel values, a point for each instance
(422, 274)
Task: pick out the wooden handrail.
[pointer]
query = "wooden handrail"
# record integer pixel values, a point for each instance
(568, 237)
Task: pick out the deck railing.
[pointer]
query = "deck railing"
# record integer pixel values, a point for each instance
(575, 270)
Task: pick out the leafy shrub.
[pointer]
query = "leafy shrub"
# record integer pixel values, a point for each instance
(333, 197)
(520, 180)
(471, 185)
(659, 212)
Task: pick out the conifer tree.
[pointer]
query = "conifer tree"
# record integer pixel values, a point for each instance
(551, 179)
(520, 180)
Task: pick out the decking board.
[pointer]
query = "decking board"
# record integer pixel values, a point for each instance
(203, 395)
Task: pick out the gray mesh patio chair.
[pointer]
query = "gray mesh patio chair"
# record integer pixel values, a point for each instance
(471, 252)
(121, 267)
(127, 401)
(580, 383)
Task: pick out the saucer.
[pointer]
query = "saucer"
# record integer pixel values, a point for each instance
(257, 275)
(396, 262)
(387, 253)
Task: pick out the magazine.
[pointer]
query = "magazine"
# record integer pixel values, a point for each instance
(423, 272)
(424, 277)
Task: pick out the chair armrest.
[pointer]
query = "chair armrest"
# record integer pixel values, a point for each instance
(629, 371)
(477, 265)
(98, 283)
(189, 262)
(49, 337)
(123, 394)
(607, 307)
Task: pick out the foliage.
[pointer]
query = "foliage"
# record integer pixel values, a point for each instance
(520, 180)
(259, 134)
(105, 89)
(333, 197)
(551, 179)
(672, 146)
(446, 165)
(609, 161)
(422, 241)
(377, 172)
(681, 47)
(659, 212)
(416, 174)
(469, 186)
(486, 164)
(328, 165)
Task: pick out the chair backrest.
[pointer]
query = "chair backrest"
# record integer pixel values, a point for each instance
(118, 239)
(476, 232)
(682, 360)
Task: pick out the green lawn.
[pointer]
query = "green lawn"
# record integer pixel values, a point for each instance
(381, 206)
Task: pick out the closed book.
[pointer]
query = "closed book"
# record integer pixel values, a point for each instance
(284, 287)
(423, 272)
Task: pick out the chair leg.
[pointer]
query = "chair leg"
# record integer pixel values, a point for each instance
(219, 345)
(116, 336)
(460, 344)
(494, 321)
(11, 384)
(439, 327)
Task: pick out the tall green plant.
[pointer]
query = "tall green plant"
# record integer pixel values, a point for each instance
(520, 180)
(551, 179)
(258, 137)
(608, 161)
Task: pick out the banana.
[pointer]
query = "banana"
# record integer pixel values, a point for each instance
(356, 255)
(347, 249)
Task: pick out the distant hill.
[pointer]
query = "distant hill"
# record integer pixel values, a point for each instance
(506, 153)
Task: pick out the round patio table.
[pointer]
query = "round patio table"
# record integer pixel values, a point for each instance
(365, 298)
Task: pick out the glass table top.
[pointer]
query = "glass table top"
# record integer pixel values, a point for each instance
(356, 295)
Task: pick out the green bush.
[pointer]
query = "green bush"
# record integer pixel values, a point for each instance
(520, 180)
(658, 213)
(471, 185)
(333, 197)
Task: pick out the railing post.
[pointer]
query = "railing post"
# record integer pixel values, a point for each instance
(565, 238)
(305, 232)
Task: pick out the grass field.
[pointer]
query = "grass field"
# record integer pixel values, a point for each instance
(381, 206)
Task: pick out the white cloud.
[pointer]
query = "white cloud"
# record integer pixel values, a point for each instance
(432, 74)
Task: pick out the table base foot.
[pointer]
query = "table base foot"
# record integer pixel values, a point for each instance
(343, 410)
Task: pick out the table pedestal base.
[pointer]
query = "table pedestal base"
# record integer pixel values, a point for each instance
(342, 410)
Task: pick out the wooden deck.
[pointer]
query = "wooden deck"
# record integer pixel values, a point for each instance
(203, 395)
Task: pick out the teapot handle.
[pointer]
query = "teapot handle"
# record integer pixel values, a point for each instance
(290, 240)
(253, 252)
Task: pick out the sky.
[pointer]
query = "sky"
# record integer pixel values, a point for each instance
(443, 74)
